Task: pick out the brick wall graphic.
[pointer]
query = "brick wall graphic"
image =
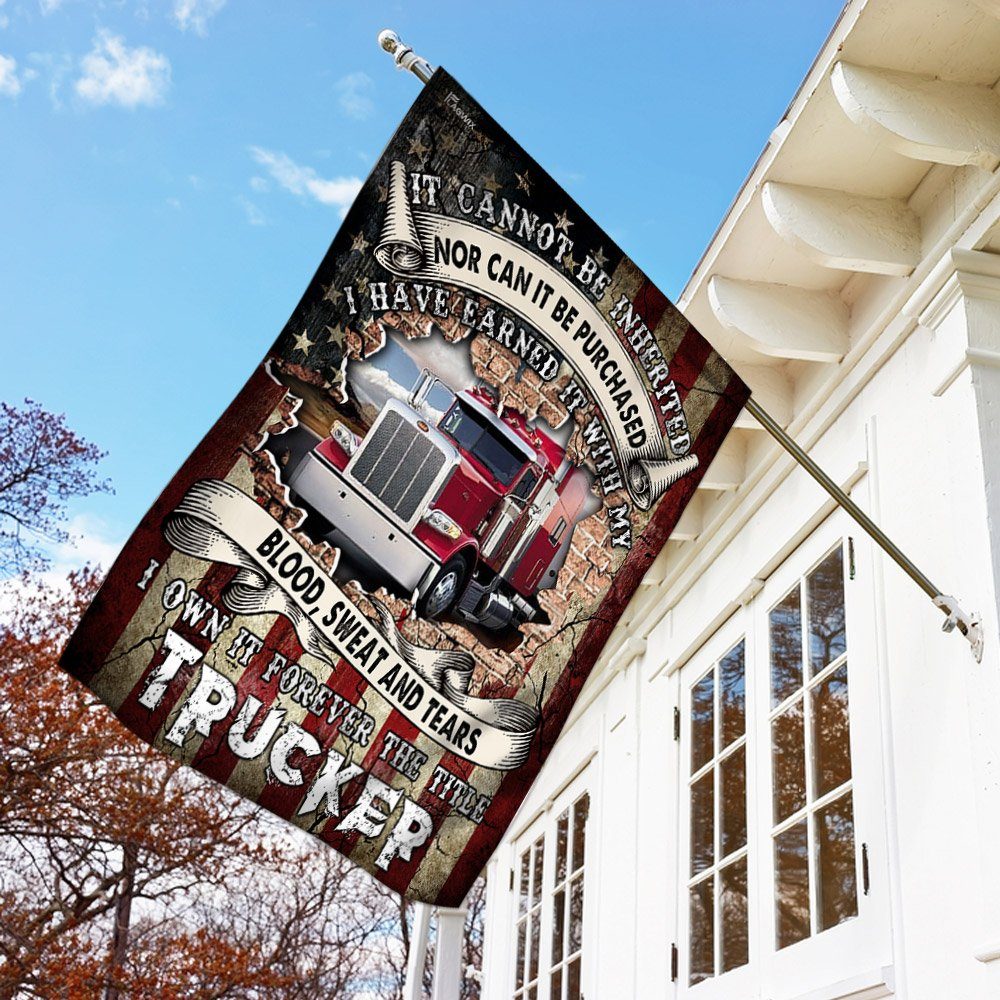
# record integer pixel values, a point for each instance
(311, 400)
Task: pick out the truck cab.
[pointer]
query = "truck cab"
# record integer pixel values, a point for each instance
(471, 514)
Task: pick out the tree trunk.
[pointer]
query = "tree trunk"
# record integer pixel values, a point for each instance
(123, 916)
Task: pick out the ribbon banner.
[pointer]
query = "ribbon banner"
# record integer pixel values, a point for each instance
(442, 249)
(218, 523)
(370, 597)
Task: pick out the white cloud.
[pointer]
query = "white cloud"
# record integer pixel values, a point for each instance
(10, 82)
(254, 215)
(91, 542)
(195, 14)
(353, 95)
(116, 74)
(48, 6)
(57, 68)
(336, 191)
(259, 184)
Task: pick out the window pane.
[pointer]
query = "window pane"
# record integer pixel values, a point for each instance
(789, 758)
(791, 885)
(831, 733)
(533, 953)
(827, 634)
(536, 875)
(521, 930)
(576, 915)
(558, 921)
(733, 801)
(732, 695)
(533, 993)
(581, 809)
(702, 823)
(573, 981)
(562, 834)
(702, 944)
(522, 905)
(702, 722)
(838, 893)
(555, 993)
(786, 647)
(733, 923)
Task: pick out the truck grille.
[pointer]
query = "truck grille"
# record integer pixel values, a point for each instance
(397, 464)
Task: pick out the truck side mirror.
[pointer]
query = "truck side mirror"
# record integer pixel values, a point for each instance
(421, 389)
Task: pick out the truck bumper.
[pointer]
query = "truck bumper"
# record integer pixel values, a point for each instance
(364, 532)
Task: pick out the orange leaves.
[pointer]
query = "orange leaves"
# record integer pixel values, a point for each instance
(217, 899)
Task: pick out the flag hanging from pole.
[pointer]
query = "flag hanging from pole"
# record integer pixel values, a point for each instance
(370, 597)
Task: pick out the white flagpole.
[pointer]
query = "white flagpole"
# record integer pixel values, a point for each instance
(968, 624)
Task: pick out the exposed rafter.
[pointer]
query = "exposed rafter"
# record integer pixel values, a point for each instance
(728, 467)
(691, 522)
(841, 230)
(922, 117)
(771, 389)
(781, 321)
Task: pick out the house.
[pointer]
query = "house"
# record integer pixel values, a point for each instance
(782, 780)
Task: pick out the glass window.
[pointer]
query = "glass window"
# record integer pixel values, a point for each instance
(484, 441)
(526, 484)
(550, 887)
(529, 917)
(717, 794)
(812, 828)
(567, 901)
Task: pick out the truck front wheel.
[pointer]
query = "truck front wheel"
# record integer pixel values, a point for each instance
(445, 590)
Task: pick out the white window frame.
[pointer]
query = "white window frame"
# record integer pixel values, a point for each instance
(736, 982)
(861, 944)
(545, 825)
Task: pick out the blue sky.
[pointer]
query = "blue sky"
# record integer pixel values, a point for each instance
(172, 171)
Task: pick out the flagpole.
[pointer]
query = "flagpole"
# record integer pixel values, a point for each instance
(956, 617)
(968, 625)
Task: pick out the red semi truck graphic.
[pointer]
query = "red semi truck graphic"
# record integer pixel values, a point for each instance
(471, 514)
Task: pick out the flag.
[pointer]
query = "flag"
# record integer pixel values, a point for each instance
(370, 597)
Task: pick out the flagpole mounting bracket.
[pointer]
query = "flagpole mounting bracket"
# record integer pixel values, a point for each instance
(404, 56)
(969, 625)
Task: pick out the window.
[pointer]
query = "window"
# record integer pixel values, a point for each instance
(717, 887)
(549, 883)
(526, 484)
(529, 920)
(484, 441)
(782, 860)
(567, 901)
(812, 803)
(557, 531)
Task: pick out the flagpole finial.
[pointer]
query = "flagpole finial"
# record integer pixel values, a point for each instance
(389, 40)
(404, 56)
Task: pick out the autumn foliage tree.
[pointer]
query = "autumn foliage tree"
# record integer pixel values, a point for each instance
(43, 464)
(121, 873)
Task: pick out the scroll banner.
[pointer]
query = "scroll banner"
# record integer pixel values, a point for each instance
(419, 244)
(217, 522)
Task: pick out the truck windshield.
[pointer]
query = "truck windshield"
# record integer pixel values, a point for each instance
(486, 444)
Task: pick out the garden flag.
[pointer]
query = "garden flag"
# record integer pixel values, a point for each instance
(370, 597)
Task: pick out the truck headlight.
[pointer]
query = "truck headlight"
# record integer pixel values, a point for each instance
(343, 435)
(440, 521)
